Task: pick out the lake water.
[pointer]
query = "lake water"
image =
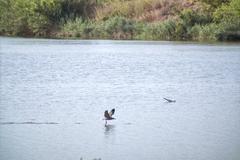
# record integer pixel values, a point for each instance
(54, 94)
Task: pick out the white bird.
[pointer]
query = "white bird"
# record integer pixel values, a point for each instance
(169, 100)
(108, 116)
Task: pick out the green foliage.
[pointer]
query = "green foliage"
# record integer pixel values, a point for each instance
(187, 19)
(6, 25)
(164, 30)
(19, 17)
(78, 28)
(194, 32)
(44, 17)
(228, 17)
(40, 17)
(209, 32)
(49, 9)
(114, 28)
(191, 17)
(122, 19)
(119, 27)
(14, 16)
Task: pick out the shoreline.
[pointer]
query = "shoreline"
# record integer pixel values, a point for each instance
(125, 40)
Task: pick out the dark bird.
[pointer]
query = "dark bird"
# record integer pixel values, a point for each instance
(108, 115)
(169, 100)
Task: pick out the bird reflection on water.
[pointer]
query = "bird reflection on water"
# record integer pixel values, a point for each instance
(109, 129)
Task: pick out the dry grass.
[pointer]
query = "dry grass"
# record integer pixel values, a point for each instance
(143, 10)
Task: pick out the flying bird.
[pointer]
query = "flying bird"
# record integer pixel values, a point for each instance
(169, 100)
(108, 115)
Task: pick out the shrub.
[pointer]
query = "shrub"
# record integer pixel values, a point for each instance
(77, 28)
(14, 16)
(119, 28)
(156, 31)
(114, 28)
(228, 17)
(210, 32)
(187, 19)
(41, 17)
(195, 31)
(166, 30)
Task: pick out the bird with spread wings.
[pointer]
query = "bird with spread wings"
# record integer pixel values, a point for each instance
(108, 115)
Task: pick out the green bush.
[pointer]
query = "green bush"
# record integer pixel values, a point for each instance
(119, 28)
(187, 20)
(165, 30)
(194, 32)
(210, 32)
(14, 16)
(40, 17)
(77, 28)
(114, 28)
(228, 17)
(143, 31)
(156, 31)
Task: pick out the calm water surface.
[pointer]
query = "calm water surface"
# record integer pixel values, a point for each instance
(54, 92)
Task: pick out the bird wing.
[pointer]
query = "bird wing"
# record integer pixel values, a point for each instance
(106, 115)
(112, 112)
(169, 100)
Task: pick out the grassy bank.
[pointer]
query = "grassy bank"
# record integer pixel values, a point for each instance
(200, 20)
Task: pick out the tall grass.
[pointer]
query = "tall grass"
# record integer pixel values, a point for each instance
(114, 28)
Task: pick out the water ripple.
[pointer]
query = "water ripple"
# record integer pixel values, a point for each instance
(8, 123)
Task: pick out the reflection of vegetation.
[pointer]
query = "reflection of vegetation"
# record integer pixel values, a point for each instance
(122, 19)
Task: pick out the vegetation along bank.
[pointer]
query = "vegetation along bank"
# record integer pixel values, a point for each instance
(198, 20)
